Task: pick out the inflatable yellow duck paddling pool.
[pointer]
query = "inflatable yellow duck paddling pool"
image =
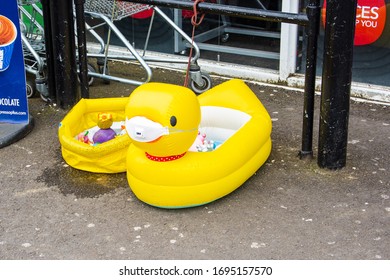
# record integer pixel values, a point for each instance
(164, 121)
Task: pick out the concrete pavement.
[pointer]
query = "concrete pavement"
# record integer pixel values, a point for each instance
(289, 209)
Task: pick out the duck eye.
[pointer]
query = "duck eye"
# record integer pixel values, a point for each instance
(173, 121)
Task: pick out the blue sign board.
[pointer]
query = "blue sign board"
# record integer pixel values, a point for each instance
(13, 97)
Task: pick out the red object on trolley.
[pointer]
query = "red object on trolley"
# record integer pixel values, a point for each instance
(144, 14)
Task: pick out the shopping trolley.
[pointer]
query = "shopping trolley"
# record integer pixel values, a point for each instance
(34, 52)
(34, 48)
(109, 11)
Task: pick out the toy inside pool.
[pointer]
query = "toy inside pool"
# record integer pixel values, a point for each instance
(105, 130)
(80, 147)
(166, 169)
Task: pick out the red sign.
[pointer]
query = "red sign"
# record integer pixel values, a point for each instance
(370, 21)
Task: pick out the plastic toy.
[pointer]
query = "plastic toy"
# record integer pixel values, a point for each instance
(83, 137)
(199, 143)
(164, 120)
(108, 157)
(105, 132)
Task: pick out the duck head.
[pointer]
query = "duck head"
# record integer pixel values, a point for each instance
(163, 119)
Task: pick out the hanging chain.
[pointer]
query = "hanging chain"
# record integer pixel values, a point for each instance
(195, 21)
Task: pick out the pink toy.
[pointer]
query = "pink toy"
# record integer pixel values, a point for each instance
(199, 142)
(83, 137)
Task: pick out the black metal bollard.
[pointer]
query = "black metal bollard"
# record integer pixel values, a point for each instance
(336, 83)
(82, 47)
(313, 11)
(60, 48)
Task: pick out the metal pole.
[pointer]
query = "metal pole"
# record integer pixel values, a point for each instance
(228, 10)
(64, 54)
(48, 48)
(336, 83)
(313, 11)
(82, 47)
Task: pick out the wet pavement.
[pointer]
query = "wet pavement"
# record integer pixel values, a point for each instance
(289, 209)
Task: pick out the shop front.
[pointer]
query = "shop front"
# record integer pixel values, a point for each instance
(278, 49)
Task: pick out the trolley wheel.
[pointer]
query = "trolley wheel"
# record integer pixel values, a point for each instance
(30, 89)
(225, 37)
(45, 98)
(207, 83)
(106, 72)
(92, 69)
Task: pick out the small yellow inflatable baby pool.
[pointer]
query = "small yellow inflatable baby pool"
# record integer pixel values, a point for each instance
(169, 167)
(107, 157)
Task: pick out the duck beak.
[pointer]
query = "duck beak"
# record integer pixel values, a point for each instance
(142, 129)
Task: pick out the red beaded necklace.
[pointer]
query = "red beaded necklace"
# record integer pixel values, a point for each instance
(164, 159)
